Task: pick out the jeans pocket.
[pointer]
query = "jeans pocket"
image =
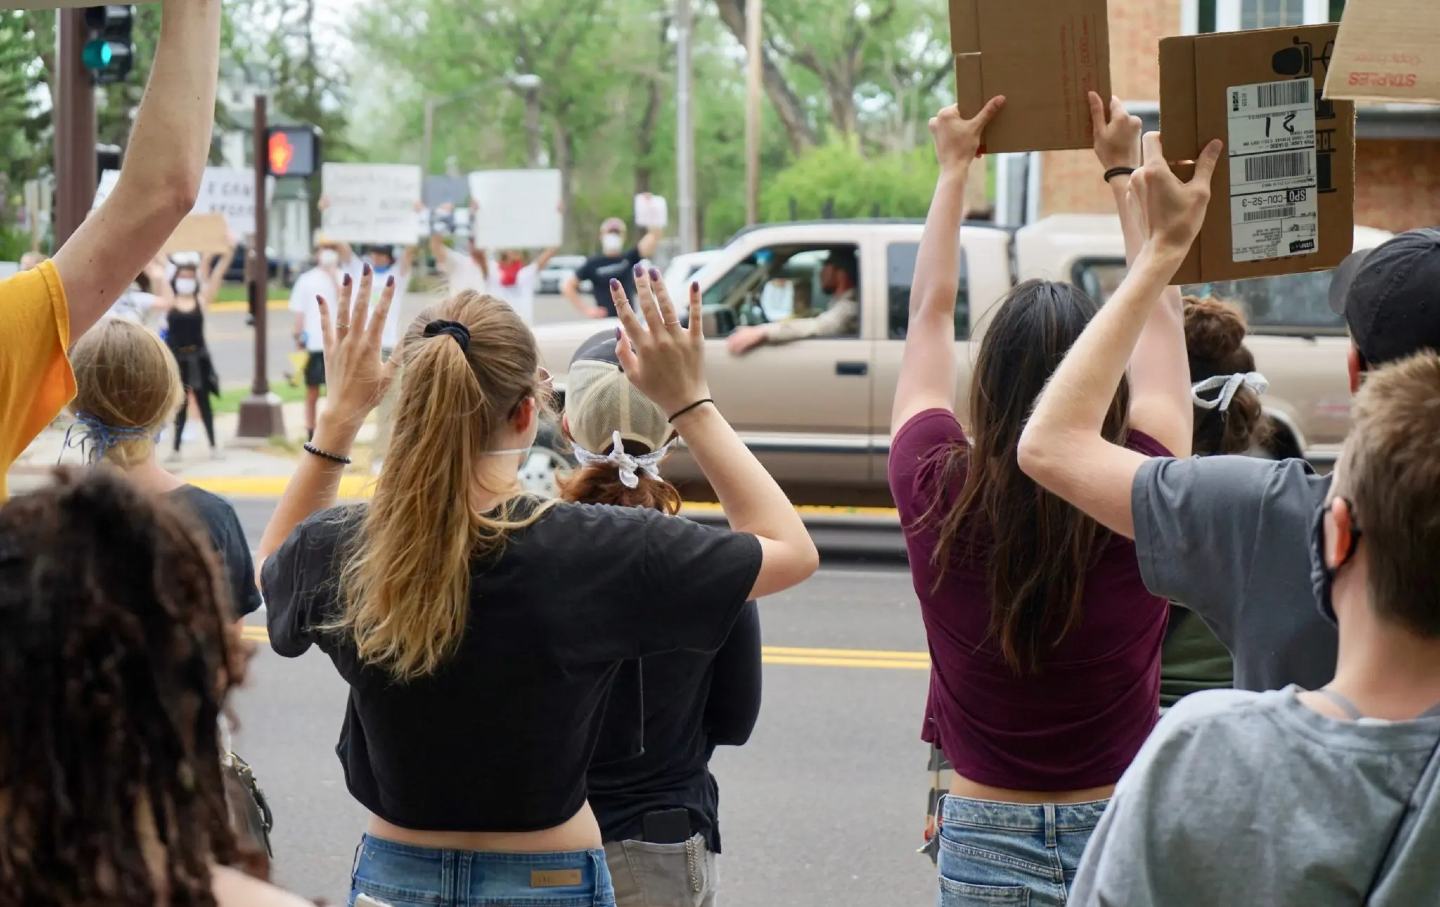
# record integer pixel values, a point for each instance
(964, 894)
(380, 895)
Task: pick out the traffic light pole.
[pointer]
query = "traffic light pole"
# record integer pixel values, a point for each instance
(261, 416)
(75, 175)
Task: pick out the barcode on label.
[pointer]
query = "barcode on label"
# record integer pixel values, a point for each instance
(1270, 213)
(1283, 94)
(1280, 165)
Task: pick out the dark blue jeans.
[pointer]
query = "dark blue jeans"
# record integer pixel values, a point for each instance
(402, 875)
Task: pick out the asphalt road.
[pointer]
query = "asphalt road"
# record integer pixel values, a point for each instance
(823, 807)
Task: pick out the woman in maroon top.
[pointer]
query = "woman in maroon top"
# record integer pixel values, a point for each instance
(1044, 642)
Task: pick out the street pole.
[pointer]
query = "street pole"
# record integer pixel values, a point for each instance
(685, 126)
(75, 176)
(261, 415)
(753, 11)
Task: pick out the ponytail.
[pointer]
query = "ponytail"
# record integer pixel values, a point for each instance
(405, 587)
(600, 484)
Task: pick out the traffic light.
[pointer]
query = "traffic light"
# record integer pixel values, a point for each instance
(293, 150)
(109, 50)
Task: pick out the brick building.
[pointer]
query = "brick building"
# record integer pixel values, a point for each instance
(1397, 154)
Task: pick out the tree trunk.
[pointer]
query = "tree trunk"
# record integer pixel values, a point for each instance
(565, 163)
(787, 104)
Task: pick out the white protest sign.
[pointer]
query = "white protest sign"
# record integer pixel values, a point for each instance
(651, 210)
(517, 209)
(371, 203)
(223, 190)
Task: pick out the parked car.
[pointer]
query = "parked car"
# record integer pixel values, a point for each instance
(817, 412)
(683, 268)
(236, 272)
(559, 269)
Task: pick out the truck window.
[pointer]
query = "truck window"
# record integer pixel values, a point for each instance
(774, 284)
(1285, 304)
(900, 268)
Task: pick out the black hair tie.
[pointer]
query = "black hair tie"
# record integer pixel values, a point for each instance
(452, 329)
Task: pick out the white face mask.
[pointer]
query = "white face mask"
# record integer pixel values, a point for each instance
(612, 243)
(186, 286)
(329, 258)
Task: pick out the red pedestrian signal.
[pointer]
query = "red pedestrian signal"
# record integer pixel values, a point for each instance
(293, 151)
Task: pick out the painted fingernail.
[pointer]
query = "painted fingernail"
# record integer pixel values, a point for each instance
(367, 269)
(390, 281)
(320, 299)
(655, 274)
(614, 284)
(695, 286)
(617, 333)
(347, 280)
(639, 271)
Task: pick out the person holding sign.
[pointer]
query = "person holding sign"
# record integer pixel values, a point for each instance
(185, 336)
(613, 263)
(513, 279)
(43, 310)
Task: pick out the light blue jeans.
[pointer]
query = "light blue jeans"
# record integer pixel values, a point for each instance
(996, 854)
(402, 875)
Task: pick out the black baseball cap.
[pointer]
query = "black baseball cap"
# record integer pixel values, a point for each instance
(1390, 296)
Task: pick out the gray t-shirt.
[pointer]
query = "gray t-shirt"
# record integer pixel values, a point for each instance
(1229, 538)
(1252, 798)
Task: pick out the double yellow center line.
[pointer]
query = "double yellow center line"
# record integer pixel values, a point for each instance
(788, 655)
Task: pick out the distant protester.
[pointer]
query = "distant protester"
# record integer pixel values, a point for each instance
(615, 262)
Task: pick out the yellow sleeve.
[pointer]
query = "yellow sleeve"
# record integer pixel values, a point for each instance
(35, 377)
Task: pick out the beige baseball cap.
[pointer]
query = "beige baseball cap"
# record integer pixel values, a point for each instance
(600, 400)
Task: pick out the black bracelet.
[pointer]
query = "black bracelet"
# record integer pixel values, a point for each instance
(327, 455)
(1118, 171)
(696, 405)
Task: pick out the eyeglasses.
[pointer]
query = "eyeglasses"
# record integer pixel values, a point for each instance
(544, 387)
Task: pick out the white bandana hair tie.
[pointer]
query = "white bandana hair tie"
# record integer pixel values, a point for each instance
(629, 466)
(1228, 386)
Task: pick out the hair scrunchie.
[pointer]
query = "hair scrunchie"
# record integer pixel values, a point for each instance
(451, 329)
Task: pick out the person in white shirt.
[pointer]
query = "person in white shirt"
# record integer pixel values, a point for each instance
(332, 260)
(466, 270)
(151, 292)
(514, 280)
(383, 262)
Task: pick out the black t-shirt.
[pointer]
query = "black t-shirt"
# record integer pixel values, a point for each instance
(684, 705)
(228, 537)
(600, 269)
(500, 737)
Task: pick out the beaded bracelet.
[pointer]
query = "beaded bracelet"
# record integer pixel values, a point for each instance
(326, 455)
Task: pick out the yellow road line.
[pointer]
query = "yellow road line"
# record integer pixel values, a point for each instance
(787, 655)
(237, 306)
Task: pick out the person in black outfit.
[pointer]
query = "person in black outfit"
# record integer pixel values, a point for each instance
(613, 263)
(185, 336)
(650, 783)
(480, 629)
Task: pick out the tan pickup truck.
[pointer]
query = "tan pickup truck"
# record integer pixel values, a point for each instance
(817, 411)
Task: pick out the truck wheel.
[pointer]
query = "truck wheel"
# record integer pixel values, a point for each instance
(548, 459)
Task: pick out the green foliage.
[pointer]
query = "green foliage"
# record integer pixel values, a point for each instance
(836, 180)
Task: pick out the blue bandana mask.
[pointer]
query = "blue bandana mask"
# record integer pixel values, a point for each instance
(1322, 575)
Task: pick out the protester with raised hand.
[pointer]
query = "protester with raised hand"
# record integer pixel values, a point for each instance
(43, 310)
(185, 335)
(650, 782)
(614, 263)
(480, 628)
(1045, 646)
(117, 656)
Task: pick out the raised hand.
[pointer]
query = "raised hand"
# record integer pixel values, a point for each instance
(356, 375)
(662, 358)
(1171, 209)
(1117, 139)
(958, 140)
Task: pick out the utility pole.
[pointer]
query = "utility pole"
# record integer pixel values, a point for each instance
(75, 166)
(261, 415)
(685, 125)
(753, 12)
(532, 124)
(428, 143)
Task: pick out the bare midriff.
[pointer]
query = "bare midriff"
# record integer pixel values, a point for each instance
(579, 832)
(974, 790)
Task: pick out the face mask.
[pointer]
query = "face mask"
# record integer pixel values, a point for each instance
(510, 272)
(1322, 575)
(329, 258)
(612, 243)
(186, 286)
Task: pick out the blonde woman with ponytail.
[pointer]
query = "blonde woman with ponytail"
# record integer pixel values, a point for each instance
(480, 629)
(127, 388)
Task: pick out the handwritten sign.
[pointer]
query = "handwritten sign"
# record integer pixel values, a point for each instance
(204, 233)
(228, 191)
(371, 203)
(651, 210)
(517, 209)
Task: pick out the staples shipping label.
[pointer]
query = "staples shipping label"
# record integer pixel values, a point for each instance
(1273, 182)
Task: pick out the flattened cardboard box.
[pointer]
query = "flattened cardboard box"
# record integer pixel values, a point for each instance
(1043, 56)
(1387, 50)
(1283, 197)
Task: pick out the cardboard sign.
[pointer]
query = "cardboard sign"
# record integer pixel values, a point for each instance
(517, 209)
(228, 191)
(371, 203)
(1044, 57)
(1283, 197)
(1387, 51)
(203, 233)
(651, 211)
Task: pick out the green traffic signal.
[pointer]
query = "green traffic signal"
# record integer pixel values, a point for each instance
(109, 51)
(97, 55)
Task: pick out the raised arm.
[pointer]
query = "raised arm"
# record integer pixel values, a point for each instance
(163, 166)
(1159, 369)
(666, 361)
(215, 277)
(543, 258)
(1061, 447)
(439, 250)
(927, 371)
(649, 242)
(481, 260)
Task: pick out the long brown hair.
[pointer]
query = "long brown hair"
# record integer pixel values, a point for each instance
(117, 652)
(406, 586)
(125, 377)
(600, 483)
(1215, 344)
(1036, 548)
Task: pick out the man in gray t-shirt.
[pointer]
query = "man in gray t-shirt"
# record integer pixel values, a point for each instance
(1320, 798)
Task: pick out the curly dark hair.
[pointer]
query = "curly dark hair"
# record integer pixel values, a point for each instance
(117, 653)
(1215, 341)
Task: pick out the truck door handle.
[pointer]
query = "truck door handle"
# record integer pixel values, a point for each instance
(852, 368)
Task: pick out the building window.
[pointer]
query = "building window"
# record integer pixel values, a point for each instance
(1234, 15)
